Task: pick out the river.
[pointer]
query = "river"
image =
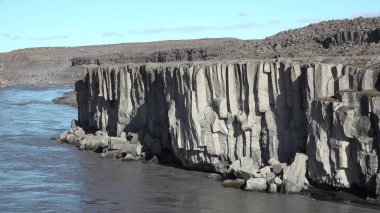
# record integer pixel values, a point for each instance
(38, 174)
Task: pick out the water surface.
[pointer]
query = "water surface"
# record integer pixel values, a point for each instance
(41, 175)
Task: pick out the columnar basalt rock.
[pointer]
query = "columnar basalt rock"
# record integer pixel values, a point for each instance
(214, 114)
(352, 37)
(343, 130)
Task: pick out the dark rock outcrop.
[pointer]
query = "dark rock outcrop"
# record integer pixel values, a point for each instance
(69, 98)
(84, 61)
(352, 37)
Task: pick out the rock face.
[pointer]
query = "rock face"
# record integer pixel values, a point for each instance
(343, 133)
(352, 37)
(245, 113)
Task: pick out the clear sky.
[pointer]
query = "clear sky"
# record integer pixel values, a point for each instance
(36, 23)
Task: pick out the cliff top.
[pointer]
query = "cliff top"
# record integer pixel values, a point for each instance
(353, 42)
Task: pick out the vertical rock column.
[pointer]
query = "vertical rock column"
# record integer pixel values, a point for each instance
(342, 145)
(210, 115)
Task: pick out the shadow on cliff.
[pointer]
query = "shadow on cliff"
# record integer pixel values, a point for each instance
(377, 84)
(290, 112)
(150, 120)
(138, 121)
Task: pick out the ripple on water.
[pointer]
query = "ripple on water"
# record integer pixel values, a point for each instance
(34, 173)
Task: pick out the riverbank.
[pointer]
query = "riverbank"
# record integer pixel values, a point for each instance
(129, 150)
(68, 98)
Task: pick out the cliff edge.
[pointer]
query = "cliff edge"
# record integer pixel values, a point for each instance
(353, 42)
(244, 117)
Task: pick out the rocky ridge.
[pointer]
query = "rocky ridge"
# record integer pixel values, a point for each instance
(309, 37)
(267, 122)
(351, 42)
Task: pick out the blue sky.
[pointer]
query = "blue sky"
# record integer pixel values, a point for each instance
(36, 23)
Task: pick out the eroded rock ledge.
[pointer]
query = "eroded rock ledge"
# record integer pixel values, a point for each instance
(240, 116)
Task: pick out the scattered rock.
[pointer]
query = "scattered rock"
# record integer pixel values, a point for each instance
(62, 137)
(215, 176)
(277, 168)
(277, 181)
(74, 124)
(79, 133)
(264, 171)
(236, 183)
(93, 142)
(295, 174)
(272, 188)
(130, 157)
(72, 139)
(153, 160)
(135, 138)
(99, 133)
(256, 184)
(108, 154)
(123, 135)
(117, 143)
(244, 168)
(273, 161)
(69, 98)
(270, 176)
(289, 187)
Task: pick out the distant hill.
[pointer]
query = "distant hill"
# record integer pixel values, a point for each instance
(350, 41)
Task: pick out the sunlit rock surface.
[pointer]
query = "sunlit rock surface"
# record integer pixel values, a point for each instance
(212, 114)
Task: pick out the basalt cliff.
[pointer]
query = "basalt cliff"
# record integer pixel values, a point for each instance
(266, 121)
